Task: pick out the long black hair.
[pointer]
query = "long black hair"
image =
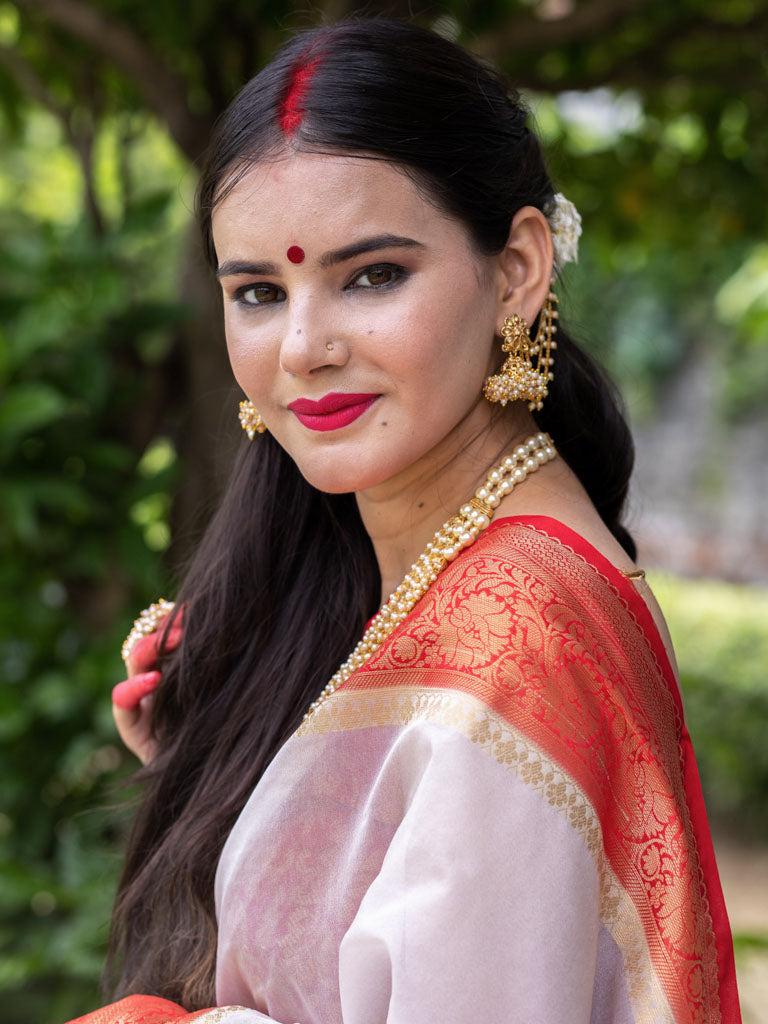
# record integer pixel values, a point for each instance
(286, 577)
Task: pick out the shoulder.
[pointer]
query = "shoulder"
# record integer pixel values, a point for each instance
(524, 639)
(542, 636)
(531, 583)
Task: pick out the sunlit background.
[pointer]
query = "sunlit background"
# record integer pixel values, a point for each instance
(117, 415)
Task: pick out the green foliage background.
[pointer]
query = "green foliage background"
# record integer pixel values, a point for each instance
(84, 503)
(99, 395)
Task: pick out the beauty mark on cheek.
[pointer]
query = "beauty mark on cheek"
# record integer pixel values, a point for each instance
(295, 254)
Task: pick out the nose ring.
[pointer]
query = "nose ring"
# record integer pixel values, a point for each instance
(329, 346)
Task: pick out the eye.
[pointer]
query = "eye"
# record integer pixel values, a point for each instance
(259, 294)
(383, 275)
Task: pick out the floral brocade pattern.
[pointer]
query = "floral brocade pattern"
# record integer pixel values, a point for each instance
(525, 625)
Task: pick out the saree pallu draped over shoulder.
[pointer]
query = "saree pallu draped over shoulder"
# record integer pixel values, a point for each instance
(497, 818)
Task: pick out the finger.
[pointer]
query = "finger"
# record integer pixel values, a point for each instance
(148, 747)
(146, 702)
(144, 654)
(134, 728)
(145, 651)
(173, 638)
(128, 694)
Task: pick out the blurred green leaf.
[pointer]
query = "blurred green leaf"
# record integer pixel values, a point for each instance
(720, 637)
(27, 408)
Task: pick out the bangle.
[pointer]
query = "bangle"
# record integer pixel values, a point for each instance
(146, 623)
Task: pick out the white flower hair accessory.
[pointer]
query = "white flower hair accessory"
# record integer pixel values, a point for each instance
(565, 224)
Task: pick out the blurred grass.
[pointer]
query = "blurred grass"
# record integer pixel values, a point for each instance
(748, 942)
(720, 634)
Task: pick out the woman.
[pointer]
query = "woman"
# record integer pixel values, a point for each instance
(491, 811)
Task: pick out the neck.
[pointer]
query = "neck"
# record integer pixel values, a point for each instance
(402, 514)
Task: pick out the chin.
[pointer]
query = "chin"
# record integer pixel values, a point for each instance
(337, 483)
(344, 474)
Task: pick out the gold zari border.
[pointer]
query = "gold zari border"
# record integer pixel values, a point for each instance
(468, 716)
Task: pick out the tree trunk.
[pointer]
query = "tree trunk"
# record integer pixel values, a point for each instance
(208, 429)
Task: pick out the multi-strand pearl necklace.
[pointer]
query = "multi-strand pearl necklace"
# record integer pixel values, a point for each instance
(459, 532)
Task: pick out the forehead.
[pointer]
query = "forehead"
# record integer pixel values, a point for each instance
(315, 198)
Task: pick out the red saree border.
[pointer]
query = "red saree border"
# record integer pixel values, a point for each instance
(625, 588)
(140, 1010)
(558, 531)
(551, 638)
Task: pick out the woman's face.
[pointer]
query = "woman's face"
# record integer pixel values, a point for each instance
(359, 320)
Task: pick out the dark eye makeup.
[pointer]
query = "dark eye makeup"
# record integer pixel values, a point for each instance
(263, 294)
(375, 277)
(379, 275)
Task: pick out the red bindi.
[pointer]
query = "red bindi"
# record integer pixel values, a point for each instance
(295, 254)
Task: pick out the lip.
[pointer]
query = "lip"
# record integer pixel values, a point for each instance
(332, 411)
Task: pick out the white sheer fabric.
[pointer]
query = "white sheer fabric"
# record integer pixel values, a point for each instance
(414, 873)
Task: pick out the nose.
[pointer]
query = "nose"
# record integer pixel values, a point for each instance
(311, 341)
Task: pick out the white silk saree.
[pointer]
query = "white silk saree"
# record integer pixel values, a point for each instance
(497, 819)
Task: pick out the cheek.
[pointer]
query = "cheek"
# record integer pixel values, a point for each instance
(449, 340)
(248, 353)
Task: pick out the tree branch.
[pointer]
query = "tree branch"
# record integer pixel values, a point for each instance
(163, 90)
(530, 33)
(654, 61)
(31, 84)
(642, 77)
(79, 138)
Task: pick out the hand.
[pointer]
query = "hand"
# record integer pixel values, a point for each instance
(132, 699)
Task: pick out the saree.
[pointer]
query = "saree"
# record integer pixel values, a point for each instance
(497, 818)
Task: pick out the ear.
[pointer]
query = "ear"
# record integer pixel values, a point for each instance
(524, 267)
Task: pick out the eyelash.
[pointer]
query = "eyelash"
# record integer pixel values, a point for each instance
(399, 274)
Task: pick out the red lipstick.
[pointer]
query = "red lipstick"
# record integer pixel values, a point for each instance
(333, 411)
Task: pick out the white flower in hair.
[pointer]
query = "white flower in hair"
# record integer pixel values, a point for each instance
(565, 224)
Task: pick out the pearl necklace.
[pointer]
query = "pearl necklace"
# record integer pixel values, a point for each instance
(459, 532)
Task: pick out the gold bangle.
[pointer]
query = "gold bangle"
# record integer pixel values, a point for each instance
(146, 623)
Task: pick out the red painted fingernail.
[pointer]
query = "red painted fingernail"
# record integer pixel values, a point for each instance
(126, 695)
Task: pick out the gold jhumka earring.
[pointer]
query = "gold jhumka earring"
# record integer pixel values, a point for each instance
(518, 380)
(250, 420)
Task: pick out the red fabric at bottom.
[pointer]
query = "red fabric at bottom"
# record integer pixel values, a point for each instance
(139, 1010)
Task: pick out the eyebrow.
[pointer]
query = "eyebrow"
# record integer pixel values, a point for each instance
(328, 259)
(349, 252)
